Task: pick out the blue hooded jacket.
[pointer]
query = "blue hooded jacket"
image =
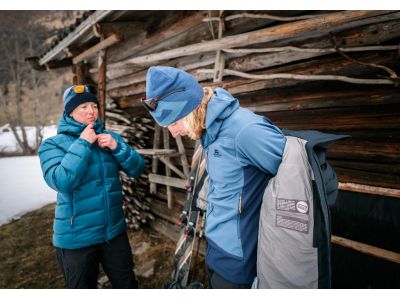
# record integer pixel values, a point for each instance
(86, 177)
(244, 151)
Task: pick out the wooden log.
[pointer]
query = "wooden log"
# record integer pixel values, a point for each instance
(370, 150)
(370, 34)
(366, 118)
(104, 44)
(368, 178)
(376, 167)
(188, 27)
(168, 181)
(367, 249)
(125, 77)
(367, 189)
(330, 65)
(366, 35)
(312, 27)
(317, 95)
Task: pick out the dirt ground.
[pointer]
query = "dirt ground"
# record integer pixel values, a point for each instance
(27, 257)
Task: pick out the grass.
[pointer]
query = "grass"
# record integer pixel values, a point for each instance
(27, 256)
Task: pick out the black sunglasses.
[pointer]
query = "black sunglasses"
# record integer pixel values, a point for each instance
(151, 103)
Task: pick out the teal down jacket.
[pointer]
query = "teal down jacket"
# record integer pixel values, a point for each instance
(86, 177)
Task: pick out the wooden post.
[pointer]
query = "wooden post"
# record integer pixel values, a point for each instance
(154, 165)
(101, 84)
(182, 152)
(79, 71)
(167, 169)
(219, 58)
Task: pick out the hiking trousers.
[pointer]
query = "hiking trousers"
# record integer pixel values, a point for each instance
(81, 266)
(216, 281)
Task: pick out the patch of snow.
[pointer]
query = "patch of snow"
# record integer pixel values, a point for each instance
(22, 187)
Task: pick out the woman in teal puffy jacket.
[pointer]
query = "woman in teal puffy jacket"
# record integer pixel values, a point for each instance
(82, 163)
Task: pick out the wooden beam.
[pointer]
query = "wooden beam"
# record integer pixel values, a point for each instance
(367, 189)
(168, 181)
(104, 44)
(367, 249)
(84, 28)
(171, 166)
(101, 84)
(312, 27)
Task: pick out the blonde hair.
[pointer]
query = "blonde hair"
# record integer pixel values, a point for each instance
(195, 122)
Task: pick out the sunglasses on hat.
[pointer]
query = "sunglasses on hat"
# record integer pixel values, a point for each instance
(151, 103)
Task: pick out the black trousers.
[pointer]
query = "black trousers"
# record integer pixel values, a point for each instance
(216, 281)
(81, 266)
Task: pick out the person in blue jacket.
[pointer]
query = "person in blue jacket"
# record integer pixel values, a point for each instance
(244, 151)
(82, 163)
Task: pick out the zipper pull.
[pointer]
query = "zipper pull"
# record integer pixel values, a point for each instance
(240, 204)
(72, 221)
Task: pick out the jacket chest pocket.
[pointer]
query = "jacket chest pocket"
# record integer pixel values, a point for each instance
(221, 160)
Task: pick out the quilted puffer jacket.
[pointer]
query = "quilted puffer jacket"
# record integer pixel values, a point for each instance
(86, 177)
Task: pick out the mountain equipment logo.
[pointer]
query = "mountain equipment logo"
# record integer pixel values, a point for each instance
(216, 153)
(302, 207)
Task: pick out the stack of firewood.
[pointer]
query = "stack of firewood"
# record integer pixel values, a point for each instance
(137, 132)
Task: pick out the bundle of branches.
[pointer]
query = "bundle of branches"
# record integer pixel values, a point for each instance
(137, 132)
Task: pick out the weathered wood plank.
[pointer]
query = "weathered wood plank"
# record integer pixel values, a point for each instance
(168, 181)
(82, 29)
(367, 249)
(105, 43)
(367, 189)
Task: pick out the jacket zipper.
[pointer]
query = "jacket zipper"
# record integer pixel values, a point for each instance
(240, 204)
(71, 221)
(104, 195)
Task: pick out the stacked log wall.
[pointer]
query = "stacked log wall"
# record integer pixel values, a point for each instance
(369, 113)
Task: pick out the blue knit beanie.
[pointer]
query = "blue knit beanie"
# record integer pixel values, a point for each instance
(76, 95)
(178, 93)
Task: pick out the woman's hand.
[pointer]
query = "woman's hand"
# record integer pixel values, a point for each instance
(106, 140)
(89, 134)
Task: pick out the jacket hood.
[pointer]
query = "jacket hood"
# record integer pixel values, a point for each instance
(220, 107)
(68, 125)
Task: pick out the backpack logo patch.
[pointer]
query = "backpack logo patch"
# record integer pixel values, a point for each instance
(302, 207)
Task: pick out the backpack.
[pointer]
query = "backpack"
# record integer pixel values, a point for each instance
(294, 230)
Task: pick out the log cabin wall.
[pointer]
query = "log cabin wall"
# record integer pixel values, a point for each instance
(330, 71)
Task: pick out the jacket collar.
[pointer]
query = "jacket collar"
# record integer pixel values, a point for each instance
(220, 107)
(68, 125)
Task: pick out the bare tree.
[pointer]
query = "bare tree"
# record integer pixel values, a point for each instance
(16, 71)
(20, 40)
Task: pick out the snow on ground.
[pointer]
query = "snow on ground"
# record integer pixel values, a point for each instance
(22, 187)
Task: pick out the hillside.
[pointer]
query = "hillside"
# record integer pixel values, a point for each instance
(17, 30)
